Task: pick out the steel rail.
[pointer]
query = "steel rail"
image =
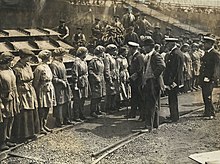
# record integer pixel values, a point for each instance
(115, 146)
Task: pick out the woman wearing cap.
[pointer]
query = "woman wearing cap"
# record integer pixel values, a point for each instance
(62, 88)
(97, 81)
(80, 83)
(44, 89)
(9, 102)
(28, 124)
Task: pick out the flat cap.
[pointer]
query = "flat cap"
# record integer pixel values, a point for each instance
(60, 51)
(111, 48)
(25, 52)
(99, 49)
(171, 39)
(209, 38)
(133, 44)
(44, 54)
(81, 51)
(6, 57)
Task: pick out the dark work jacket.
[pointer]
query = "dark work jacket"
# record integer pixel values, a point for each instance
(158, 66)
(136, 68)
(174, 68)
(208, 65)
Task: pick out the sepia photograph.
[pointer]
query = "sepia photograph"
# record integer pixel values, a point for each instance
(110, 82)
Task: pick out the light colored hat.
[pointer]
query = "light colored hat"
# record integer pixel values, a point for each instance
(133, 44)
(171, 39)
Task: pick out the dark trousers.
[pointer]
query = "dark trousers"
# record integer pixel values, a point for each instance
(151, 95)
(95, 104)
(110, 103)
(207, 89)
(136, 101)
(78, 107)
(173, 104)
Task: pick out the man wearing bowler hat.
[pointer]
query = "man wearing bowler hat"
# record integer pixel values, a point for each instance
(207, 74)
(136, 64)
(152, 83)
(173, 76)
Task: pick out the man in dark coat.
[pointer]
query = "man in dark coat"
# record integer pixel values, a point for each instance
(207, 70)
(136, 64)
(173, 76)
(151, 83)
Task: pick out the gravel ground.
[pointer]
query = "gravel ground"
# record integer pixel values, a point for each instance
(171, 144)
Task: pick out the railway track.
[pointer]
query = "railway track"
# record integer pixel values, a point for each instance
(99, 155)
(100, 152)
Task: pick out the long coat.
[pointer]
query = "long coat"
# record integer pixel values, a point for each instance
(43, 85)
(27, 95)
(80, 77)
(96, 78)
(110, 74)
(63, 95)
(8, 93)
(174, 68)
(208, 65)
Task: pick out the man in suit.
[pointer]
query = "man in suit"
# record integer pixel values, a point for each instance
(151, 83)
(136, 63)
(173, 76)
(207, 71)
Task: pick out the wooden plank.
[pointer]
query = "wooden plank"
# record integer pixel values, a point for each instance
(207, 157)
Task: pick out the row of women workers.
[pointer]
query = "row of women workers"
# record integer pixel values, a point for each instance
(106, 74)
(27, 96)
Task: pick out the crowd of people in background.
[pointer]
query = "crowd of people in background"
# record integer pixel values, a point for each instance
(130, 60)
